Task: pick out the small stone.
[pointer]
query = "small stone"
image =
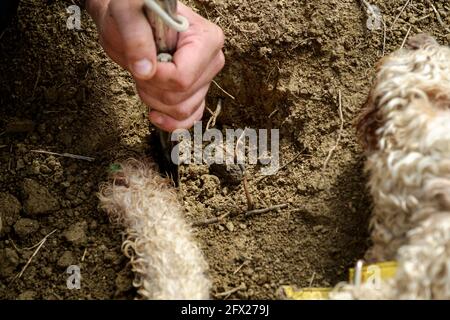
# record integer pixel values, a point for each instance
(27, 295)
(25, 227)
(225, 191)
(67, 259)
(9, 260)
(53, 163)
(110, 256)
(9, 212)
(38, 199)
(264, 51)
(221, 228)
(36, 167)
(242, 226)
(210, 185)
(65, 184)
(230, 226)
(319, 228)
(76, 234)
(44, 169)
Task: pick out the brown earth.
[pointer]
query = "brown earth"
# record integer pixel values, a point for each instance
(287, 61)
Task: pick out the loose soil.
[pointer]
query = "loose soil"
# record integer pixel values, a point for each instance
(287, 61)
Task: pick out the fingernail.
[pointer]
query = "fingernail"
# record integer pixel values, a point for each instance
(142, 68)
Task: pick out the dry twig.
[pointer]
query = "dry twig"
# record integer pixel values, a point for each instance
(406, 37)
(84, 255)
(273, 113)
(384, 39)
(212, 121)
(66, 155)
(228, 293)
(398, 16)
(438, 16)
(248, 196)
(223, 90)
(240, 267)
(246, 214)
(312, 279)
(211, 221)
(40, 244)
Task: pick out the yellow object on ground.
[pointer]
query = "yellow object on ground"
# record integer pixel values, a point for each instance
(292, 293)
(378, 271)
(381, 270)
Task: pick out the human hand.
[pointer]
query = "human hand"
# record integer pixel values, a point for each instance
(174, 91)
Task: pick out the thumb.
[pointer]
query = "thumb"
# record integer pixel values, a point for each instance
(137, 37)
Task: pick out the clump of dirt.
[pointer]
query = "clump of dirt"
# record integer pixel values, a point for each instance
(286, 64)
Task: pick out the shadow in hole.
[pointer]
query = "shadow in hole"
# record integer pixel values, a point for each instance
(350, 200)
(343, 232)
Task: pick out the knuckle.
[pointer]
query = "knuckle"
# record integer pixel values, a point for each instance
(182, 112)
(145, 97)
(135, 42)
(141, 92)
(170, 99)
(219, 36)
(221, 60)
(183, 83)
(115, 9)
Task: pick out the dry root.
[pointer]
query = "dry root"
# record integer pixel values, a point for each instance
(167, 263)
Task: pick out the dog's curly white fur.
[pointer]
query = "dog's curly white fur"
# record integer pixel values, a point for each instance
(406, 132)
(167, 262)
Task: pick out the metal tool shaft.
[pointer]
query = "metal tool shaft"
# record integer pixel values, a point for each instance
(166, 40)
(165, 37)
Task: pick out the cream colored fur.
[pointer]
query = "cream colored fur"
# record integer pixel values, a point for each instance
(407, 131)
(167, 262)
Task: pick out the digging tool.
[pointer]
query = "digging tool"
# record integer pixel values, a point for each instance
(166, 24)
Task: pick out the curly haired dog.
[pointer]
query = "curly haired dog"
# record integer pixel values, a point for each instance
(167, 262)
(405, 130)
